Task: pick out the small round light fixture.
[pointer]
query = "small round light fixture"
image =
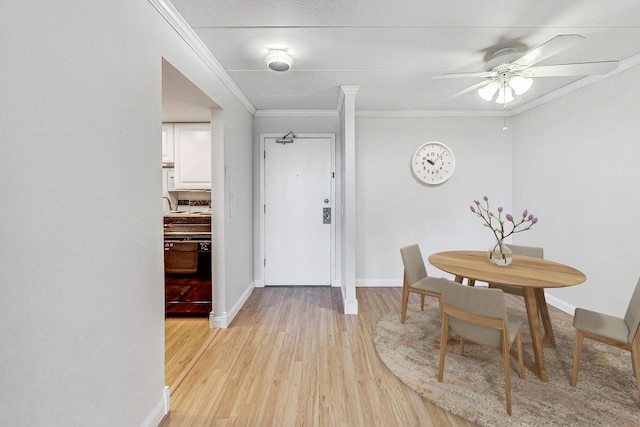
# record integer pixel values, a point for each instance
(278, 60)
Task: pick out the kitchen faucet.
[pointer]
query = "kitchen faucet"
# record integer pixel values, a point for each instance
(168, 201)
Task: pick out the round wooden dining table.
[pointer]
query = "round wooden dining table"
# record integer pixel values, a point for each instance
(533, 275)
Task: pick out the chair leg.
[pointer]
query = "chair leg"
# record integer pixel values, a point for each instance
(635, 361)
(507, 379)
(520, 359)
(422, 302)
(405, 300)
(444, 337)
(461, 346)
(576, 357)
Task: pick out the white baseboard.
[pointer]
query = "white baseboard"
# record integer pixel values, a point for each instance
(350, 306)
(225, 319)
(218, 321)
(159, 411)
(560, 304)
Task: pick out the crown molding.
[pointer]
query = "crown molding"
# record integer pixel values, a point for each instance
(296, 113)
(184, 30)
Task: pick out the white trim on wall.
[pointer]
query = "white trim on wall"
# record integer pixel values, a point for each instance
(225, 318)
(159, 411)
(178, 23)
(296, 113)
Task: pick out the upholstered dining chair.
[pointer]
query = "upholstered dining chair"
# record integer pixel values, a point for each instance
(416, 279)
(622, 333)
(480, 316)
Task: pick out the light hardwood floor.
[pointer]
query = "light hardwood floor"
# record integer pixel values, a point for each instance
(186, 338)
(291, 358)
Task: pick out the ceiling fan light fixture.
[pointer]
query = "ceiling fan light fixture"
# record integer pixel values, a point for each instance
(278, 60)
(520, 84)
(486, 92)
(505, 95)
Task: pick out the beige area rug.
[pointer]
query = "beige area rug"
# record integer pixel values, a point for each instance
(473, 385)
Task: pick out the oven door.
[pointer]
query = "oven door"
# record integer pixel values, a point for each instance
(180, 257)
(187, 261)
(181, 252)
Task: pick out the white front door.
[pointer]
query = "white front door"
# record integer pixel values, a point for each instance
(298, 211)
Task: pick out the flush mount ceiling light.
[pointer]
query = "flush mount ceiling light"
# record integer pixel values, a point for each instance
(278, 60)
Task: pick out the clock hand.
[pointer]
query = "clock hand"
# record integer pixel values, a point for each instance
(431, 162)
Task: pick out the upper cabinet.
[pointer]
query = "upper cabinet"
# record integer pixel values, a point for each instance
(192, 156)
(167, 143)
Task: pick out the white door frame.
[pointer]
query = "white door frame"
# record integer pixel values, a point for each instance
(336, 204)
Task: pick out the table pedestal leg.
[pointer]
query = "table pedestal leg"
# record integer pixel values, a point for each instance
(534, 327)
(549, 339)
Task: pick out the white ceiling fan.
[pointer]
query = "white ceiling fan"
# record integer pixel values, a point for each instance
(510, 71)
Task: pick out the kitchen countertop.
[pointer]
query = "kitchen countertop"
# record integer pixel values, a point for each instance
(186, 218)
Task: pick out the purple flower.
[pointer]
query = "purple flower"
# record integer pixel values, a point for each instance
(502, 229)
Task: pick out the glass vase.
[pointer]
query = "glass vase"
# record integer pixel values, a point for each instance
(500, 254)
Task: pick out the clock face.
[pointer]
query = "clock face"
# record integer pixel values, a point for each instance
(433, 163)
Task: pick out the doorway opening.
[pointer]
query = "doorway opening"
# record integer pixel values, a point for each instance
(187, 200)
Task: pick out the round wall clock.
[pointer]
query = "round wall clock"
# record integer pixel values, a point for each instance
(433, 163)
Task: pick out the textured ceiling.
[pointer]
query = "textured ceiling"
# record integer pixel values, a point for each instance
(393, 50)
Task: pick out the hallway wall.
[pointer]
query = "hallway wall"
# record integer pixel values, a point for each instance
(81, 259)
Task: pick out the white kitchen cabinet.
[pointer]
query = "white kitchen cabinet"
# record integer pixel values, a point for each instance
(192, 156)
(167, 143)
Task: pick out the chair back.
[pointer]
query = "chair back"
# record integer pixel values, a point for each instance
(480, 302)
(531, 251)
(632, 316)
(414, 267)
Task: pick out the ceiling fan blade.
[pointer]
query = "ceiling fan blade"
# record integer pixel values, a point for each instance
(465, 91)
(548, 49)
(581, 69)
(471, 74)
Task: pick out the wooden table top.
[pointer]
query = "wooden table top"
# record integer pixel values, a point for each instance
(523, 271)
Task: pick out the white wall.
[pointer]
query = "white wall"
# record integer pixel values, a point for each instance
(394, 210)
(81, 281)
(238, 244)
(576, 163)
